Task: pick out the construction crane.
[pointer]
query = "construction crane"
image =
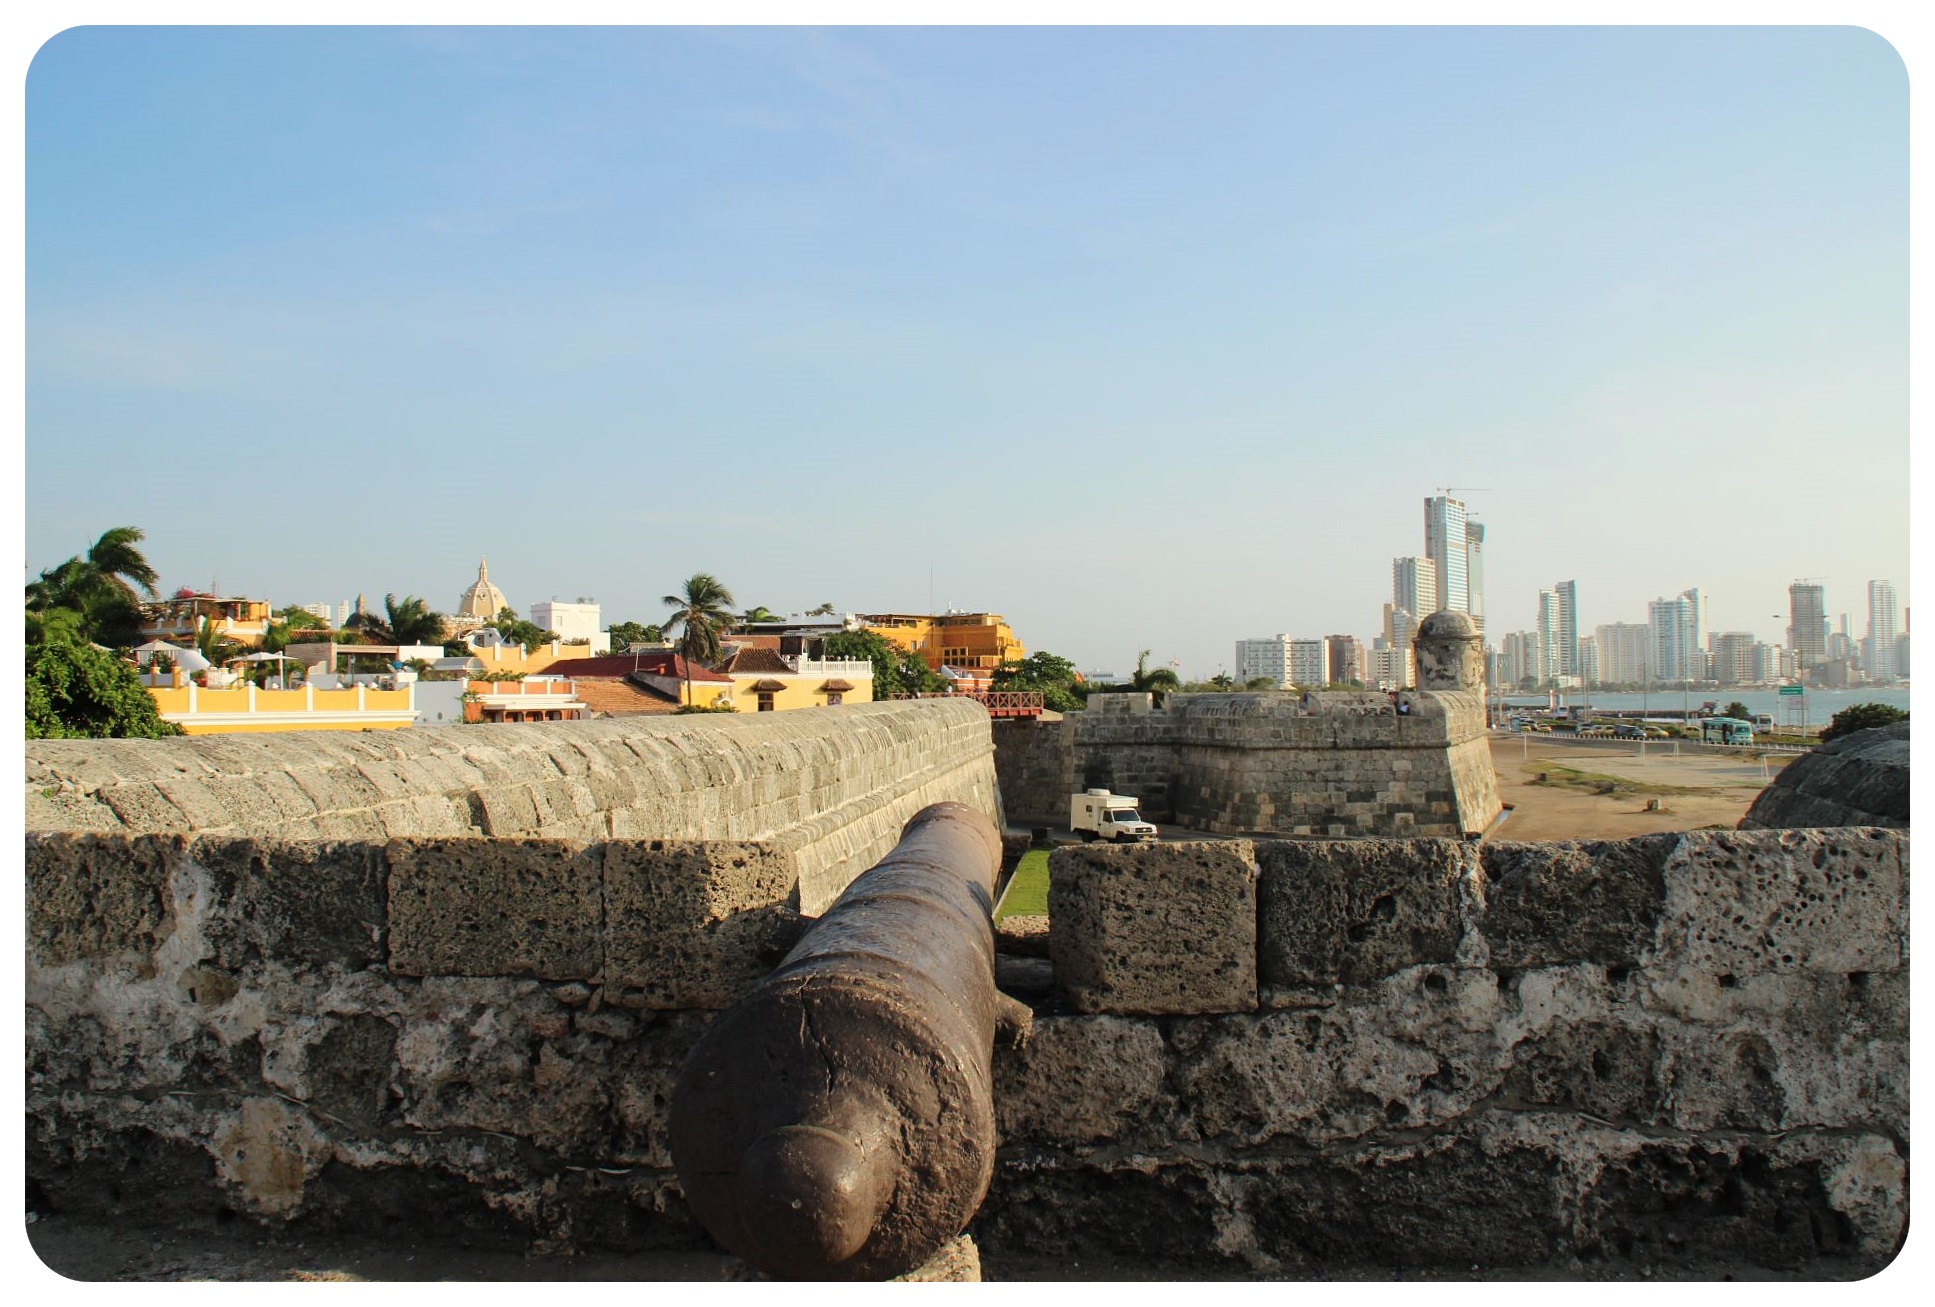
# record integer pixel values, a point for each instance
(1455, 489)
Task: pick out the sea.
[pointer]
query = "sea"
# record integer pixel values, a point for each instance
(1819, 705)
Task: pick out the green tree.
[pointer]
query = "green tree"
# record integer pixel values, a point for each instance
(518, 631)
(102, 587)
(75, 691)
(894, 672)
(411, 621)
(626, 634)
(1053, 676)
(1738, 710)
(1158, 681)
(1861, 717)
(700, 613)
(757, 613)
(824, 610)
(1260, 683)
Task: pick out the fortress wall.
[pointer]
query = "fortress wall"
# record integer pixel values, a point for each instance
(1437, 1054)
(1398, 1053)
(830, 788)
(1336, 764)
(1031, 762)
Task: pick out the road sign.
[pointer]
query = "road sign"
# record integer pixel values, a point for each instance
(1793, 689)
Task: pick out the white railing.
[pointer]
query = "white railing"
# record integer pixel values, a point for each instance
(828, 666)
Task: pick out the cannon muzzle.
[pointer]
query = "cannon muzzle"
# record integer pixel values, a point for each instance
(838, 1122)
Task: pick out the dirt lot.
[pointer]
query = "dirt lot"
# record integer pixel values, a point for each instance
(1697, 788)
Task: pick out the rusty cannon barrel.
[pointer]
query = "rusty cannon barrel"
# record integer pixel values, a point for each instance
(838, 1122)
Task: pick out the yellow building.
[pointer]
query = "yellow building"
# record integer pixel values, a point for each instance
(973, 641)
(246, 709)
(766, 681)
(180, 619)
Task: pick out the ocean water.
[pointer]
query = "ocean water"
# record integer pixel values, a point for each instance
(1821, 704)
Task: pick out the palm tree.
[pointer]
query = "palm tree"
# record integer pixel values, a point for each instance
(1158, 680)
(703, 611)
(100, 585)
(411, 621)
(824, 610)
(757, 613)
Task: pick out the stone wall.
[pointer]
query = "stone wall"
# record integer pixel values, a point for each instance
(827, 789)
(1420, 1053)
(1335, 764)
(1436, 1054)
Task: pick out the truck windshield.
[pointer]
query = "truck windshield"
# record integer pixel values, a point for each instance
(1125, 814)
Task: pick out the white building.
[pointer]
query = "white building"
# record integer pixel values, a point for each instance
(572, 622)
(1733, 657)
(1551, 659)
(1447, 545)
(1879, 648)
(1308, 663)
(1568, 632)
(1622, 652)
(1265, 657)
(1414, 587)
(1588, 660)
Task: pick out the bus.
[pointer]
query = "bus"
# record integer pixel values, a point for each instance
(1726, 730)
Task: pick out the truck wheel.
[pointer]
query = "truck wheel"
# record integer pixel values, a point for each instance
(1088, 837)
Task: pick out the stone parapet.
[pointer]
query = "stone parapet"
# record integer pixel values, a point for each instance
(830, 787)
(1336, 764)
(1407, 1054)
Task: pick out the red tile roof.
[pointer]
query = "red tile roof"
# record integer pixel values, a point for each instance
(619, 666)
(749, 662)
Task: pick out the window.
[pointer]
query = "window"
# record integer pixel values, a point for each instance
(765, 701)
(833, 698)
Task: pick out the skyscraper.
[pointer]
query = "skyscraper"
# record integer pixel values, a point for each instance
(1414, 586)
(1447, 544)
(1807, 623)
(1475, 573)
(1879, 647)
(1568, 634)
(1548, 635)
(1674, 653)
(1623, 652)
(1266, 657)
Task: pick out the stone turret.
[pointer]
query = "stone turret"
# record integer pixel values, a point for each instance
(1451, 653)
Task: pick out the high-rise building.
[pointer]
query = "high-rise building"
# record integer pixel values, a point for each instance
(1878, 649)
(1568, 633)
(1392, 667)
(1807, 623)
(1447, 545)
(1769, 660)
(1475, 573)
(1307, 668)
(1671, 652)
(1521, 661)
(1414, 586)
(1548, 626)
(1623, 652)
(1344, 659)
(1733, 657)
(1265, 657)
(1588, 660)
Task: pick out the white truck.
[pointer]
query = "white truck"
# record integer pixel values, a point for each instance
(1099, 815)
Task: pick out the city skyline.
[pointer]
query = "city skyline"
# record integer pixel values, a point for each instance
(865, 315)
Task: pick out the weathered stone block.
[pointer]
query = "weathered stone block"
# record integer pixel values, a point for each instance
(95, 896)
(1574, 901)
(1078, 1080)
(692, 924)
(294, 902)
(1355, 911)
(467, 907)
(1743, 902)
(1155, 927)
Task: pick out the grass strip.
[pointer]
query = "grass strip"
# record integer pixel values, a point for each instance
(1571, 778)
(1027, 893)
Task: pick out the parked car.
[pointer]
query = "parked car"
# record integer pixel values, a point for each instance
(1629, 731)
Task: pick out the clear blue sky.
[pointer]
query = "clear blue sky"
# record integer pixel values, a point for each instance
(1146, 338)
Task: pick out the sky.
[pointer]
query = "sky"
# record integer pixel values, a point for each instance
(1147, 338)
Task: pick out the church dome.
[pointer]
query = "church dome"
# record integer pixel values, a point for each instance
(483, 600)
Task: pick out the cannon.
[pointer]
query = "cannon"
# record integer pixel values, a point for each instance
(837, 1123)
